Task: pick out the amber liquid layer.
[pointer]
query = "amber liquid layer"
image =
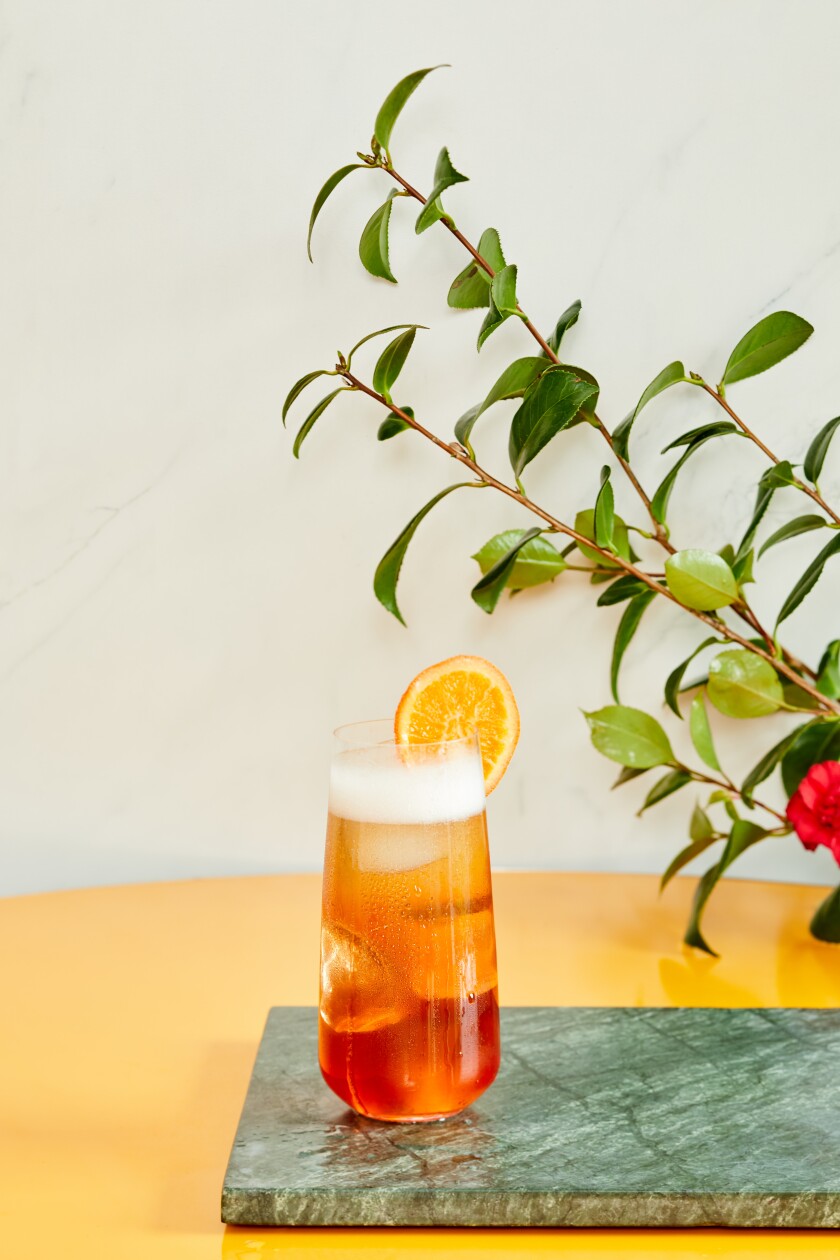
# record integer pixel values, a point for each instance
(409, 1023)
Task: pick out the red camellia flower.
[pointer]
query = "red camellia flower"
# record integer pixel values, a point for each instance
(814, 808)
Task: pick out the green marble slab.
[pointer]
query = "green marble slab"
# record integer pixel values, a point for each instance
(599, 1117)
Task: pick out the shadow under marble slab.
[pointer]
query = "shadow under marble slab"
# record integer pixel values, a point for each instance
(598, 1117)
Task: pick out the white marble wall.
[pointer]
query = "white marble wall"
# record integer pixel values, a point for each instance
(187, 611)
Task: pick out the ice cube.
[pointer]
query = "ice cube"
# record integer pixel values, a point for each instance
(400, 846)
(360, 990)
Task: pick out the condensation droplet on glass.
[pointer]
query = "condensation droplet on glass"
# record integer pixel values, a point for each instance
(471, 996)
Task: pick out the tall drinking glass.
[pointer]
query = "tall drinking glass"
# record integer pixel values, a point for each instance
(409, 1016)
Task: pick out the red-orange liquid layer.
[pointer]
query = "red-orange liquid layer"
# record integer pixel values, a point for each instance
(409, 1023)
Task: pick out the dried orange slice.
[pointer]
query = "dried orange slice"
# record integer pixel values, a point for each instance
(455, 698)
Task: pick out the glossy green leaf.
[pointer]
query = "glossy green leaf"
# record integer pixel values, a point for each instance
(672, 684)
(629, 736)
(791, 529)
(701, 733)
(512, 383)
(671, 375)
(487, 592)
(700, 827)
(621, 589)
(471, 287)
(464, 425)
(391, 362)
(815, 742)
(392, 425)
(492, 320)
(742, 685)
(605, 511)
(315, 414)
(767, 343)
(808, 580)
(765, 493)
(742, 568)
(388, 570)
(742, 836)
(549, 406)
(585, 524)
(564, 323)
(828, 671)
(627, 627)
(686, 855)
(765, 766)
(692, 442)
(664, 787)
(818, 450)
(503, 290)
(445, 177)
(299, 387)
(537, 561)
(700, 580)
(825, 925)
(373, 246)
(779, 476)
(626, 774)
(394, 103)
(329, 187)
(380, 332)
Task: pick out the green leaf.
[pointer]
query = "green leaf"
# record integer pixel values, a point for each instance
(605, 511)
(380, 332)
(686, 855)
(585, 524)
(766, 765)
(672, 684)
(742, 836)
(763, 496)
(626, 774)
(742, 568)
(815, 742)
(700, 827)
(629, 736)
(513, 383)
(445, 177)
(388, 570)
(742, 685)
(799, 525)
(394, 102)
(503, 290)
(549, 406)
(314, 415)
(392, 425)
(779, 475)
(701, 733)
(627, 627)
(808, 580)
(331, 184)
(391, 361)
(373, 246)
(666, 786)
(818, 450)
(692, 442)
(564, 323)
(298, 388)
(767, 343)
(700, 579)
(492, 320)
(828, 672)
(464, 425)
(537, 561)
(671, 375)
(471, 287)
(621, 589)
(488, 590)
(825, 925)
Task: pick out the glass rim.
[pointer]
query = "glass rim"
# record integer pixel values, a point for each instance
(351, 735)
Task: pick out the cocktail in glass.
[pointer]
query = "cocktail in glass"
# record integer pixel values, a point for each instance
(409, 1017)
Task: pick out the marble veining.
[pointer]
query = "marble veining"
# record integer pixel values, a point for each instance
(599, 1117)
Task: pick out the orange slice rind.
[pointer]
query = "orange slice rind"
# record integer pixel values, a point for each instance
(456, 698)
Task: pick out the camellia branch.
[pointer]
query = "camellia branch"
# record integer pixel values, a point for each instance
(458, 452)
(774, 459)
(658, 532)
(700, 776)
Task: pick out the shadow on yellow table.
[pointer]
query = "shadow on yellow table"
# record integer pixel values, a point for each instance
(132, 1015)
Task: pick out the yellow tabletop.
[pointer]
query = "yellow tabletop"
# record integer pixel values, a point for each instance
(131, 1017)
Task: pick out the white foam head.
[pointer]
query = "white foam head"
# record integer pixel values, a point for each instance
(388, 783)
